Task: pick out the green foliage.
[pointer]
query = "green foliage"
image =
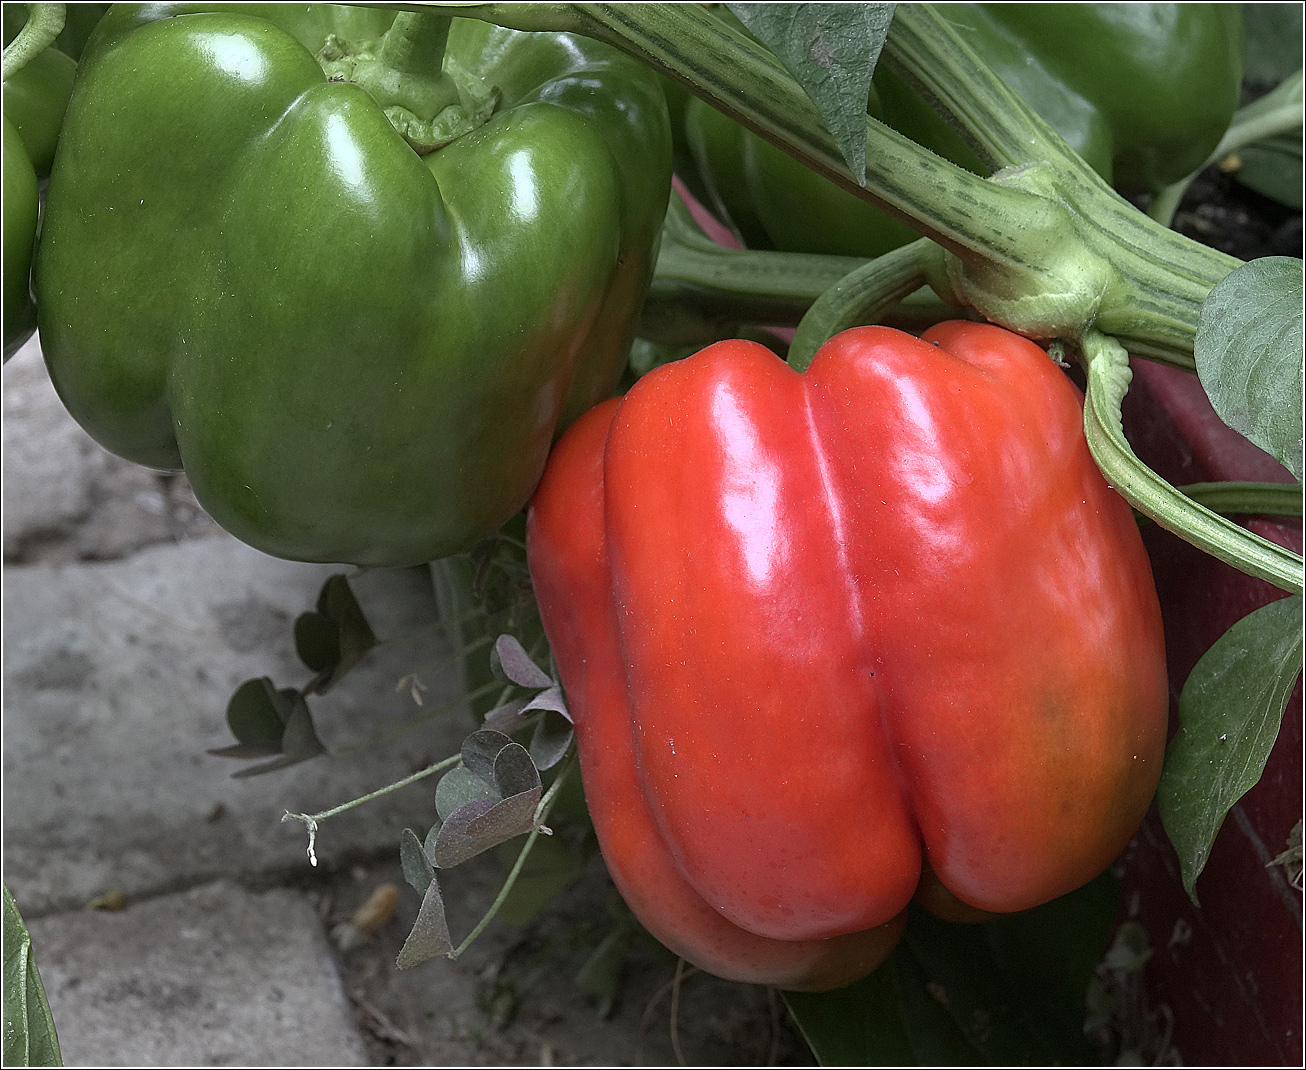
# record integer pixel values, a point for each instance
(332, 640)
(29, 1038)
(1008, 992)
(1229, 716)
(1273, 168)
(831, 50)
(1249, 354)
(269, 722)
(1272, 42)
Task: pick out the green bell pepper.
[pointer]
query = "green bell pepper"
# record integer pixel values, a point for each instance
(35, 100)
(20, 215)
(1142, 91)
(357, 353)
(35, 97)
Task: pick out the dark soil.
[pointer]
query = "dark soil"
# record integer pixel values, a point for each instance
(1220, 212)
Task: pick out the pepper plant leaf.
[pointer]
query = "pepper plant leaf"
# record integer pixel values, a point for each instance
(1249, 354)
(1229, 715)
(1272, 40)
(548, 869)
(831, 50)
(29, 1038)
(1011, 992)
(861, 1024)
(1273, 168)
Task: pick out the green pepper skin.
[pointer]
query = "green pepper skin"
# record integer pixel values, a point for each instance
(20, 215)
(1143, 92)
(356, 353)
(35, 100)
(1164, 78)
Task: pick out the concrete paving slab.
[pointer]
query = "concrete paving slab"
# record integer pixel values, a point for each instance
(117, 677)
(214, 976)
(65, 497)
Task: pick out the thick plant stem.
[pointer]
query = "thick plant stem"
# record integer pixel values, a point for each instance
(44, 24)
(1246, 499)
(1154, 281)
(702, 282)
(862, 296)
(415, 43)
(425, 95)
(1107, 365)
(960, 211)
(1045, 247)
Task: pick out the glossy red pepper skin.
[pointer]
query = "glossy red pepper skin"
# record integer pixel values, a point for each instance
(818, 628)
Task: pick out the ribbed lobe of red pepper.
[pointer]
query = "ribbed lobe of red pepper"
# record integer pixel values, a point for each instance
(809, 622)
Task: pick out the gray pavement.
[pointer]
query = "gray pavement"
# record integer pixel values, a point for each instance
(129, 618)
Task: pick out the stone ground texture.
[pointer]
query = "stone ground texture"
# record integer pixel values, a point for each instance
(129, 619)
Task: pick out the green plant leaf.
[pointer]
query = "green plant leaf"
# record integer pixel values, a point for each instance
(831, 50)
(1009, 992)
(510, 658)
(458, 787)
(1229, 715)
(1272, 42)
(480, 824)
(317, 641)
(479, 751)
(600, 976)
(430, 933)
(256, 714)
(298, 741)
(1273, 168)
(861, 1024)
(549, 742)
(335, 637)
(418, 871)
(1249, 351)
(29, 1038)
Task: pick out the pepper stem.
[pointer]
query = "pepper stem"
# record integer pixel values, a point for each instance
(425, 94)
(1107, 365)
(44, 24)
(414, 47)
(862, 296)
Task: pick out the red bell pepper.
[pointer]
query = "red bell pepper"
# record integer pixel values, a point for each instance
(818, 630)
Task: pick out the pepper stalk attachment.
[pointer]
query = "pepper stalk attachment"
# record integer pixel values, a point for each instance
(427, 96)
